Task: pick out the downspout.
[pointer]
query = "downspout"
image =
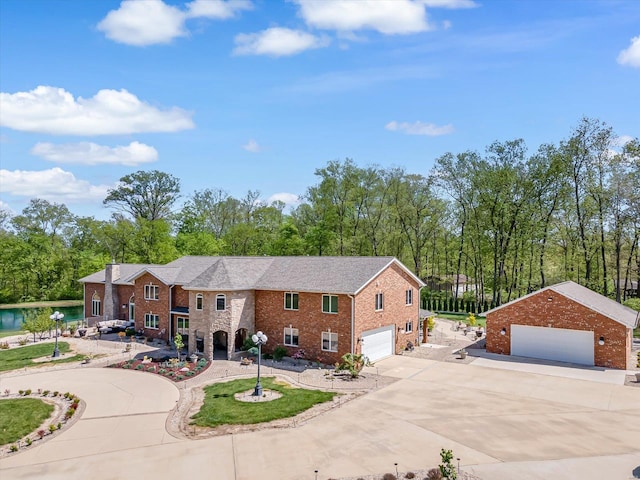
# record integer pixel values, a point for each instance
(420, 329)
(170, 314)
(353, 306)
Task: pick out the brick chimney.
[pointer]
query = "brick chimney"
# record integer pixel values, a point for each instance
(111, 301)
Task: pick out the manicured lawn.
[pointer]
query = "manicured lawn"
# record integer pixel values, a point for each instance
(21, 357)
(21, 416)
(462, 317)
(221, 408)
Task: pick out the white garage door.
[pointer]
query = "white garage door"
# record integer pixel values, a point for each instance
(563, 345)
(378, 343)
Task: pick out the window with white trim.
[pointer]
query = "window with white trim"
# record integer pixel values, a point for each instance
(95, 305)
(379, 301)
(199, 301)
(183, 325)
(290, 301)
(151, 292)
(329, 341)
(221, 302)
(409, 296)
(408, 327)
(291, 336)
(151, 320)
(329, 303)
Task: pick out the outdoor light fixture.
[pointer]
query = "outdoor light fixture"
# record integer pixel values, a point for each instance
(56, 317)
(503, 331)
(601, 341)
(259, 339)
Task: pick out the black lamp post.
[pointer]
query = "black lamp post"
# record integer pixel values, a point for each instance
(56, 316)
(259, 339)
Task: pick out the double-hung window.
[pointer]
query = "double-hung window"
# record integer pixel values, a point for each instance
(290, 301)
(329, 303)
(151, 320)
(151, 292)
(408, 327)
(221, 302)
(291, 336)
(379, 301)
(329, 342)
(409, 296)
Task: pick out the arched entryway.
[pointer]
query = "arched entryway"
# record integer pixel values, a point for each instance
(241, 336)
(220, 342)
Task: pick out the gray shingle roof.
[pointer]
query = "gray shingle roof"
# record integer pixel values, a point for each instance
(593, 300)
(322, 274)
(304, 274)
(126, 271)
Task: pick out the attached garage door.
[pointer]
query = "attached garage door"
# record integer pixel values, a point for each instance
(378, 343)
(563, 345)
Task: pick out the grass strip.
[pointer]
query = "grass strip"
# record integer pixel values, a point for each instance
(221, 408)
(20, 357)
(21, 416)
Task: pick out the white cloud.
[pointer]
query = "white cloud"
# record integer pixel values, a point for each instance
(385, 16)
(289, 199)
(631, 55)
(143, 23)
(252, 146)
(419, 128)
(87, 153)
(277, 42)
(54, 185)
(150, 22)
(449, 3)
(217, 9)
(109, 112)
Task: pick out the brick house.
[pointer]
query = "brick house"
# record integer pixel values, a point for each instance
(565, 322)
(326, 306)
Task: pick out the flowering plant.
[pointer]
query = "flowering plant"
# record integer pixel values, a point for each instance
(298, 354)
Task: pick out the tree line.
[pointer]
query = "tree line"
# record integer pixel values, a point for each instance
(510, 221)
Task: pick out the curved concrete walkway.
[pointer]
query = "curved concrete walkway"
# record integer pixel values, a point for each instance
(502, 424)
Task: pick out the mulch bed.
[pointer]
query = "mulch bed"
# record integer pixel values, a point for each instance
(177, 371)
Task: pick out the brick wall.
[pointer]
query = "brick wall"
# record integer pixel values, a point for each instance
(180, 297)
(89, 290)
(393, 284)
(272, 318)
(124, 294)
(159, 307)
(550, 309)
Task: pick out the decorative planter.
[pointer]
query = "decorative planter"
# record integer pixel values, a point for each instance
(463, 354)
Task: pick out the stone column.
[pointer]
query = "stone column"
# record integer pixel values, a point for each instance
(111, 301)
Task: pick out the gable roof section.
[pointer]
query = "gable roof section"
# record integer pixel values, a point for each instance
(231, 273)
(590, 299)
(346, 275)
(126, 271)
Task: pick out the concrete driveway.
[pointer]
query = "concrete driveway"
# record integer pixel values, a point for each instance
(502, 424)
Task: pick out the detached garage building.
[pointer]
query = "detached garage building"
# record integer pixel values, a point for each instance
(565, 322)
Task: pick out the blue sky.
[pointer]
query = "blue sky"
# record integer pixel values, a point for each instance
(256, 94)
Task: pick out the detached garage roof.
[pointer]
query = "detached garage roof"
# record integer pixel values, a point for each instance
(590, 299)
